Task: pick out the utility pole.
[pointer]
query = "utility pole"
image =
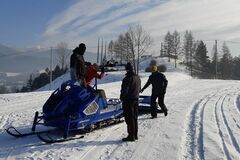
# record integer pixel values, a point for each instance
(51, 58)
(161, 51)
(98, 52)
(101, 53)
(105, 53)
(216, 71)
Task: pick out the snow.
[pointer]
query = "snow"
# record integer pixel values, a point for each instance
(203, 123)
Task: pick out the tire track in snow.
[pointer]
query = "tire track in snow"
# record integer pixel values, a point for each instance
(237, 103)
(101, 138)
(4, 99)
(192, 146)
(125, 150)
(227, 126)
(237, 106)
(4, 122)
(115, 150)
(220, 132)
(143, 148)
(17, 103)
(192, 143)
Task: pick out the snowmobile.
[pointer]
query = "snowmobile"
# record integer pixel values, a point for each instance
(144, 105)
(73, 107)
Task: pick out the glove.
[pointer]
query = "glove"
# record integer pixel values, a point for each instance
(102, 69)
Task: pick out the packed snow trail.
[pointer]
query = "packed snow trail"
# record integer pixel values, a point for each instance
(212, 111)
(203, 123)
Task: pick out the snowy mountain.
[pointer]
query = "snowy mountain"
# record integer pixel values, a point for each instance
(203, 123)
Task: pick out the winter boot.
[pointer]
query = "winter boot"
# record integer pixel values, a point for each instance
(128, 139)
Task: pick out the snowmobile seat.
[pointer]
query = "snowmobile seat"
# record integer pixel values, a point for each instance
(101, 93)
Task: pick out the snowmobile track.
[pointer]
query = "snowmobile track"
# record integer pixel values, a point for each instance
(193, 145)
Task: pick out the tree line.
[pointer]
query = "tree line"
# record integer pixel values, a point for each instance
(194, 55)
(131, 45)
(42, 79)
(135, 42)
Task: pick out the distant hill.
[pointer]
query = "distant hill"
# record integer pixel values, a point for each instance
(31, 59)
(20, 64)
(4, 50)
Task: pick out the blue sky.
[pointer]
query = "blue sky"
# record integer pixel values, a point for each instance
(26, 23)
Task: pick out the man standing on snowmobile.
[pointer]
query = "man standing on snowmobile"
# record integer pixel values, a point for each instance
(130, 88)
(77, 64)
(159, 86)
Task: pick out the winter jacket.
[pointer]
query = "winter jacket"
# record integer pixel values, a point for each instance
(77, 62)
(92, 73)
(130, 88)
(159, 83)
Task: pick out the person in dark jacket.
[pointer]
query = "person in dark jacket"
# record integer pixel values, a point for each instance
(77, 64)
(159, 85)
(130, 89)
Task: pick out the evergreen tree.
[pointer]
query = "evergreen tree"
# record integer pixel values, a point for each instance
(215, 61)
(57, 72)
(236, 66)
(226, 63)
(189, 48)
(30, 83)
(201, 62)
(40, 81)
(3, 89)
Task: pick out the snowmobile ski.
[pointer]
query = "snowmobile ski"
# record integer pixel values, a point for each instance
(14, 132)
(50, 140)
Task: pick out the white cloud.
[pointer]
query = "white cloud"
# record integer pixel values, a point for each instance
(87, 20)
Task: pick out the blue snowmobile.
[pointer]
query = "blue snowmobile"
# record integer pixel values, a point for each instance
(72, 107)
(144, 105)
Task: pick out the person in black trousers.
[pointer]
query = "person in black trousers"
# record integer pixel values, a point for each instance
(159, 86)
(77, 64)
(130, 89)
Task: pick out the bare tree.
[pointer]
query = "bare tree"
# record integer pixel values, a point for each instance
(176, 45)
(110, 48)
(62, 54)
(168, 45)
(139, 42)
(188, 46)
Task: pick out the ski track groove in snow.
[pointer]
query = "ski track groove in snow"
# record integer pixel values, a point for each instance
(113, 151)
(101, 139)
(191, 147)
(193, 139)
(237, 103)
(4, 121)
(143, 148)
(230, 133)
(220, 132)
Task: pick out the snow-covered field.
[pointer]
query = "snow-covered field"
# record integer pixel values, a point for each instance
(203, 123)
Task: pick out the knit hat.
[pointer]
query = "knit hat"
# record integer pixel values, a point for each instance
(82, 48)
(129, 67)
(154, 68)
